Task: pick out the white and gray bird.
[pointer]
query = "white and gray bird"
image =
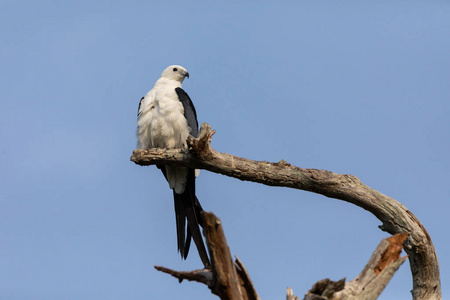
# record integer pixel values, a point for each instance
(166, 117)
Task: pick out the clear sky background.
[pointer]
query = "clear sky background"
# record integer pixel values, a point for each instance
(354, 87)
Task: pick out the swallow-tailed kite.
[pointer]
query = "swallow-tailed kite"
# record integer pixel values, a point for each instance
(166, 117)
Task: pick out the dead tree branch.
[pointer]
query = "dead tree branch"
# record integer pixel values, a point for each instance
(395, 217)
(227, 279)
(372, 280)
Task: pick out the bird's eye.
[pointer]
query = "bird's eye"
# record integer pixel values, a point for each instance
(175, 69)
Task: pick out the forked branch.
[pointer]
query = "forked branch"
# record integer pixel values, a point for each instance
(227, 279)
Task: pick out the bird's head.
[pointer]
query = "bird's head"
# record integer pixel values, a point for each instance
(175, 72)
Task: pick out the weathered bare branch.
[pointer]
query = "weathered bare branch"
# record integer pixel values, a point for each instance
(372, 280)
(326, 289)
(227, 279)
(290, 294)
(246, 282)
(227, 285)
(395, 217)
(203, 276)
(380, 269)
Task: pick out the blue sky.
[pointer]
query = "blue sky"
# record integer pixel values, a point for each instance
(355, 87)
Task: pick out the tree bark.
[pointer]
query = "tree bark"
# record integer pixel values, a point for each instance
(395, 217)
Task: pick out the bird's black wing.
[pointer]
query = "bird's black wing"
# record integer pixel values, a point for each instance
(189, 111)
(139, 107)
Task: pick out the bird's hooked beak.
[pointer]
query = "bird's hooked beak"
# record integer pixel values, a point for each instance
(186, 75)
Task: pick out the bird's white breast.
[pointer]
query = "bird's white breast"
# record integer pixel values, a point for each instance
(169, 128)
(162, 125)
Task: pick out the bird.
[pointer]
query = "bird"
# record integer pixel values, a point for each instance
(166, 117)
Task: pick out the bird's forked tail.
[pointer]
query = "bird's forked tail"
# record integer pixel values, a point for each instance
(188, 208)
